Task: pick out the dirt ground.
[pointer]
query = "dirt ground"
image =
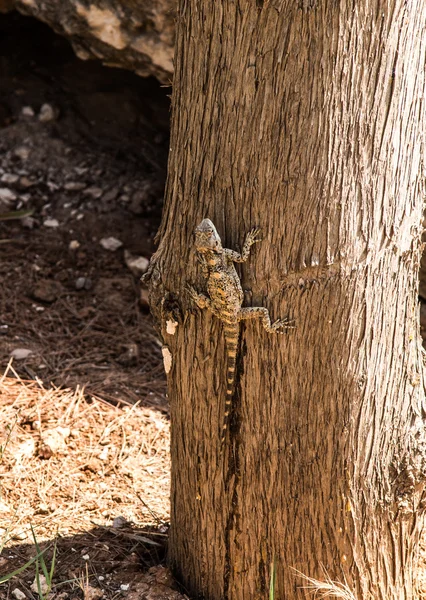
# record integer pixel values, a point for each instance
(94, 170)
(83, 151)
(84, 430)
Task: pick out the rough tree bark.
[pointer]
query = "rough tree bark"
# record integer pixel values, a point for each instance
(306, 119)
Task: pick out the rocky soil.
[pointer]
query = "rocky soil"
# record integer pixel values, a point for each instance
(83, 153)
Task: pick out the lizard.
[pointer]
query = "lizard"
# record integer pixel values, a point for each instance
(225, 297)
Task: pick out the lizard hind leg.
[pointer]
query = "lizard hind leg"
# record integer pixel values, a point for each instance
(260, 312)
(201, 300)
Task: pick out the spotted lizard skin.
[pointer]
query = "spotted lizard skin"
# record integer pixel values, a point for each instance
(225, 297)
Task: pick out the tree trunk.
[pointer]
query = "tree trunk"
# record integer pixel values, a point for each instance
(304, 118)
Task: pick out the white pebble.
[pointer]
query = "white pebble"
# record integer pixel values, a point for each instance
(7, 195)
(27, 111)
(94, 192)
(111, 243)
(22, 152)
(74, 186)
(20, 353)
(9, 178)
(44, 587)
(47, 113)
(51, 223)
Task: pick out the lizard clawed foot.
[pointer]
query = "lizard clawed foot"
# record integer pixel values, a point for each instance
(253, 236)
(282, 324)
(201, 260)
(192, 292)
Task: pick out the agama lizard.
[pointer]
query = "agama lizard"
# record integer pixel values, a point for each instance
(225, 296)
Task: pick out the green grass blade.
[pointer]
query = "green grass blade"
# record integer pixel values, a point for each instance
(272, 581)
(41, 562)
(15, 214)
(52, 565)
(4, 578)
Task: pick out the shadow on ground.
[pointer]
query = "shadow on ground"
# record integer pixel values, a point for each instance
(106, 562)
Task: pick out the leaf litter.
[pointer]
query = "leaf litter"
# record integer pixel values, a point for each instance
(91, 476)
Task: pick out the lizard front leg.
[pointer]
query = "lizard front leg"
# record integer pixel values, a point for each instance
(202, 261)
(259, 312)
(251, 238)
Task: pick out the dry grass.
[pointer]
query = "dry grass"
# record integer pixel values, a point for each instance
(326, 588)
(71, 463)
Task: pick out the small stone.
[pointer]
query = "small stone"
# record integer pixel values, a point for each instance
(79, 283)
(6, 195)
(51, 223)
(92, 593)
(47, 290)
(22, 152)
(53, 441)
(10, 178)
(137, 264)
(21, 353)
(111, 243)
(139, 201)
(28, 222)
(86, 557)
(124, 587)
(110, 195)
(44, 587)
(119, 522)
(81, 170)
(47, 113)
(74, 245)
(16, 593)
(83, 283)
(26, 182)
(74, 186)
(4, 329)
(94, 192)
(27, 111)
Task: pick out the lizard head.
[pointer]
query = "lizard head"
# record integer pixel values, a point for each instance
(207, 238)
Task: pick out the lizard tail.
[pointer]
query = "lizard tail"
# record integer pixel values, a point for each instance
(231, 339)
